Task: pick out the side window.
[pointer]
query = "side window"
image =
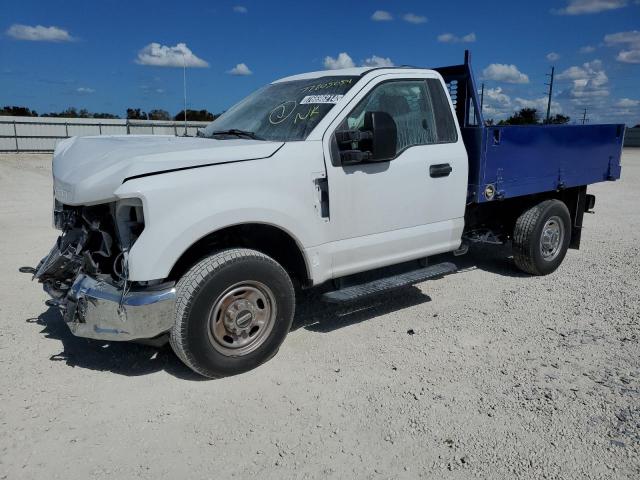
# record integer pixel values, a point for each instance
(444, 124)
(420, 109)
(408, 104)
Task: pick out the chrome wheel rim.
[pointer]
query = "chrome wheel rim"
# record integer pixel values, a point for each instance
(242, 318)
(552, 238)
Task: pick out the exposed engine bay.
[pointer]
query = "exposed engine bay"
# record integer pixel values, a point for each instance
(86, 274)
(95, 241)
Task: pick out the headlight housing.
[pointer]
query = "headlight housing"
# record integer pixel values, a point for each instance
(129, 221)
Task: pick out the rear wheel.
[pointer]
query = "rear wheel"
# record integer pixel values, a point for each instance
(541, 237)
(233, 311)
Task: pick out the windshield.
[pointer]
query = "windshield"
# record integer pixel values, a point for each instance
(285, 111)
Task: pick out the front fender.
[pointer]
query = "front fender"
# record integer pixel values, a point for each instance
(182, 207)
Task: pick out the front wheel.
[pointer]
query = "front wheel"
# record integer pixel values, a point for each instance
(541, 237)
(233, 311)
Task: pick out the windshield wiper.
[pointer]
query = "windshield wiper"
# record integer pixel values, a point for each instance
(237, 133)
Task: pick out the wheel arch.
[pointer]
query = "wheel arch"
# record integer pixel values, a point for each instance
(272, 240)
(502, 215)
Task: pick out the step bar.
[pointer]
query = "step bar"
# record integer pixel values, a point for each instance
(363, 290)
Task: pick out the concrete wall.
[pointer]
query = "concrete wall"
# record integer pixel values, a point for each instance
(40, 134)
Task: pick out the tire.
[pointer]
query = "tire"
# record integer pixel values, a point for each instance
(219, 306)
(541, 237)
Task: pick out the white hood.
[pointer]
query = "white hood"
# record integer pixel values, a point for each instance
(89, 169)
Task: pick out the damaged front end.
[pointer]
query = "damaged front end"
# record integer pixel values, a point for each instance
(86, 274)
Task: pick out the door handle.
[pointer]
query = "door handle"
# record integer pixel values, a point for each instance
(440, 170)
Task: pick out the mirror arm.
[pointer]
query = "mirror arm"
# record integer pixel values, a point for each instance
(351, 157)
(352, 136)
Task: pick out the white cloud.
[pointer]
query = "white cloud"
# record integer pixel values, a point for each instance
(147, 89)
(587, 49)
(451, 38)
(498, 96)
(627, 103)
(583, 7)
(552, 56)
(342, 61)
(590, 73)
(413, 18)
(499, 105)
(240, 69)
(630, 41)
(629, 56)
(240, 9)
(630, 38)
(376, 61)
(504, 73)
(85, 90)
(496, 103)
(588, 80)
(381, 16)
(158, 55)
(39, 33)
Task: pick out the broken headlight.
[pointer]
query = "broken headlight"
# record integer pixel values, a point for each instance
(129, 220)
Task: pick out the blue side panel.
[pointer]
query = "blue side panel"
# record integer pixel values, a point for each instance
(523, 160)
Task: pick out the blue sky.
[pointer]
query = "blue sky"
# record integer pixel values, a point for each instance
(108, 55)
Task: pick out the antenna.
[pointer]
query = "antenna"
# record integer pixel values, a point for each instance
(550, 92)
(184, 82)
(482, 96)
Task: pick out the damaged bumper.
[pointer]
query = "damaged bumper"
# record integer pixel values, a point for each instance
(86, 274)
(98, 310)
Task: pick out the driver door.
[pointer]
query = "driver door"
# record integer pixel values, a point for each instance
(387, 212)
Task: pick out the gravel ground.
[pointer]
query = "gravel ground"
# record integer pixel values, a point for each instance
(505, 376)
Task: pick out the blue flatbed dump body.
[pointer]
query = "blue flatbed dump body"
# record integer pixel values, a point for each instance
(513, 160)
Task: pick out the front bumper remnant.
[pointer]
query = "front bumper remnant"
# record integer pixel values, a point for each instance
(98, 310)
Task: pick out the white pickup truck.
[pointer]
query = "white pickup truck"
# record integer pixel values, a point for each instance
(312, 179)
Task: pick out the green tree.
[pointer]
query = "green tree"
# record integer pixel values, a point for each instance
(524, 116)
(195, 115)
(70, 112)
(158, 114)
(105, 115)
(558, 119)
(136, 114)
(18, 112)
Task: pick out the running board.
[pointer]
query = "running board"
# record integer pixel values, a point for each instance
(357, 292)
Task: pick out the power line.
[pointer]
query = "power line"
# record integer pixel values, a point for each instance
(550, 92)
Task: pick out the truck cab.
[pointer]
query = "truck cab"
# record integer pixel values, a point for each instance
(309, 181)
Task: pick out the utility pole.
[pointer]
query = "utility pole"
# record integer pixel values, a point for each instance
(482, 96)
(550, 92)
(184, 83)
(584, 116)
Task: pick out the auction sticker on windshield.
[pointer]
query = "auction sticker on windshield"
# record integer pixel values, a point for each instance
(321, 99)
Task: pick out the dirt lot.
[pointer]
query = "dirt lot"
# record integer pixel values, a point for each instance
(506, 376)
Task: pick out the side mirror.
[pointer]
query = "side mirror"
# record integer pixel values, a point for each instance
(375, 143)
(385, 135)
